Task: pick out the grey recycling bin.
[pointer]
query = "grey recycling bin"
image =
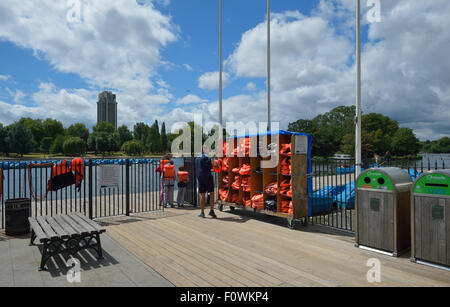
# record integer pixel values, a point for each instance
(383, 205)
(430, 218)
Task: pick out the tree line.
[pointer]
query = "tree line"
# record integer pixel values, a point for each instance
(49, 136)
(334, 132)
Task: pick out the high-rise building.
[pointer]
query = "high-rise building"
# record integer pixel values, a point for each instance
(107, 108)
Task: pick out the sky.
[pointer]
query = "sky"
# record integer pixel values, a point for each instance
(161, 58)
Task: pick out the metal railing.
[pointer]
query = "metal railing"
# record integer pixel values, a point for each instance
(333, 188)
(138, 190)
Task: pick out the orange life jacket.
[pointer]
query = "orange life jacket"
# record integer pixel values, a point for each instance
(286, 149)
(271, 189)
(78, 169)
(285, 167)
(169, 172)
(235, 184)
(235, 170)
(217, 165)
(61, 168)
(258, 201)
(183, 176)
(223, 194)
(245, 170)
(225, 164)
(248, 203)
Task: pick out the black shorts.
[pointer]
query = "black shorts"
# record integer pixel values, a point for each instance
(206, 184)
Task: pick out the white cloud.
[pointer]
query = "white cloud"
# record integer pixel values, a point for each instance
(4, 77)
(17, 95)
(210, 80)
(190, 99)
(405, 64)
(188, 67)
(115, 46)
(251, 86)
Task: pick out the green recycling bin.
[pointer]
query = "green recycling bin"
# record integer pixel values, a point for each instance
(383, 205)
(430, 218)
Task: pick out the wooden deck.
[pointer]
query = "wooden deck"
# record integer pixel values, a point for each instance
(237, 250)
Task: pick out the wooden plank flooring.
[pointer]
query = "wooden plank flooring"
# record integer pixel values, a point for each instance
(237, 250)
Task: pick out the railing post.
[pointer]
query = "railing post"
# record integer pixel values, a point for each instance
(127, 187)
(90, 183)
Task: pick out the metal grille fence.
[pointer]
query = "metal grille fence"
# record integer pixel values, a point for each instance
(138, 190)
(333, 188)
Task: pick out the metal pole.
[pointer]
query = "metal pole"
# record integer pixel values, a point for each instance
(220, 67)
(220, 151)
(358, 89)
(268, 66)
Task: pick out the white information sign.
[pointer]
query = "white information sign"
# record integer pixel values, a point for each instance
(301, 144)
(109, 176)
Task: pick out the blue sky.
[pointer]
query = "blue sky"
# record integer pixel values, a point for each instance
(161, 57)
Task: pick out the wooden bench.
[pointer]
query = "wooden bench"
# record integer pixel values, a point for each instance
(65, 234)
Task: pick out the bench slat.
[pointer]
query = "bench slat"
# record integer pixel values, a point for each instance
(38, 231)
(74, 225)
(59, 230)
(94, 224)
(47, 228)
(69, 229)
(82, 223)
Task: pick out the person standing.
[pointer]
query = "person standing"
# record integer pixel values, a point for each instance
(183, 176)
(168, 183)
(203, 166)
(388, 158)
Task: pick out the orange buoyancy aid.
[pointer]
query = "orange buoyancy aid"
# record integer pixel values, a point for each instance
(245, 170)
(271, 189)
(225, 164)
(169, 172)
(286, 149)
(235, 184)
(183, 176)
(234, 197)
(61, 168)
(217, 165)
(223, 194)
(258, 201)
(78, 168)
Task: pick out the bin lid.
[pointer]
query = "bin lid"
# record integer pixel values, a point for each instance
(433, 183)
(386, 179)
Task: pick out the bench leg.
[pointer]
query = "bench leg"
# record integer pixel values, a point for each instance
(32, 237)
(99, 247)
(45, 257)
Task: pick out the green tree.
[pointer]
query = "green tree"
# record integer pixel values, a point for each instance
(132, 148)
(348, 144)
(154, 139)
(4, 141)
(74, 146)
(141, 132)
(52, 128)
(104, 127)
(78, 130)
(164, 140)
(20, 139)
(327, 129)
(404, 143)
(57, 146)
(36, 127)
(124, 134)
(45, 144)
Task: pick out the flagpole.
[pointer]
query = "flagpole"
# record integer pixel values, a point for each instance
(268, 67)
(358, 89)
